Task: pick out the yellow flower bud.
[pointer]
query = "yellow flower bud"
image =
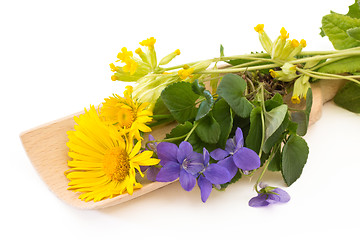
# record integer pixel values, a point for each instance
(264, 38)
(301, 87)
(169, 57)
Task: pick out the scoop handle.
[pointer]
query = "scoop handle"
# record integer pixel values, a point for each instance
(323, 91)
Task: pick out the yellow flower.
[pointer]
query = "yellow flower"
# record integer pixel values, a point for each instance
(185, 73)
(301, 86)
(128, 115)
(165, 60)
(103, 161)
(113, 68)
(130, 66)
(303, 43)
(264, 38)
(124, 55)
(284, 34)
(259, 28)
(148, 43)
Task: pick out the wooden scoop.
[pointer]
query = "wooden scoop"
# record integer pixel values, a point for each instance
(47, 150)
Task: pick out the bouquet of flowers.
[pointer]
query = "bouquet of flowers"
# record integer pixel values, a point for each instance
(213, 122)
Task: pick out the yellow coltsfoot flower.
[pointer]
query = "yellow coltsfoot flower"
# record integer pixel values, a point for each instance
(103, 161)
(126, 114)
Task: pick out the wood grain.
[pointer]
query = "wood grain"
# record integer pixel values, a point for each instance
(46, 148)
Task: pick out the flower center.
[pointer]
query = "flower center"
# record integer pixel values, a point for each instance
(116, 164)
(125, 117)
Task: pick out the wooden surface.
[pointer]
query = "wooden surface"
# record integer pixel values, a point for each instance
(47, 150)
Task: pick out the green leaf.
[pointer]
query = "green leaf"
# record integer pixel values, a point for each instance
(292, 127)
(277, 136)
(179, 131)
(300, 118)
(160, 108)
(354, 10)
(350, 64)
(221, 50)
(294, 157)
(309, 101)
(198, 145)
(208, 129)
(197, 87)
(354, 33)
(232, 88)
(206, 105)
(274, 119)
(275, 164)
(274, 102)
(254, 138)
(180, 100)
(348, 97)
(233, 85)
(335, 26)
(223, 115)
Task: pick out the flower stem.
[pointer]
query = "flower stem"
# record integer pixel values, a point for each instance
(275, 149)
(263, 110)
(191, 131)
(343, 53)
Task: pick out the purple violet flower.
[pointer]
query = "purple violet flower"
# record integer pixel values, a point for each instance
(151, 171)
(211, 174)
(182, 163)
(269, 195)
(236, 155)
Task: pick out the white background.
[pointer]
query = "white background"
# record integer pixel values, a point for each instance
(54, 61)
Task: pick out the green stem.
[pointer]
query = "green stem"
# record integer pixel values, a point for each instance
(267, 66)
(191, 131)
(263, 110)
(343, 53)
(266, 166)
(161, 116)
(329, 76)
(326, 63)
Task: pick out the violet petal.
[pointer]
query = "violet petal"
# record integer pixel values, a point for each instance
(185, 151)
(259, 201)
(246, 159)
(219, 154)
(206, 156)
(229, 164)
(194, 163)
(151, 173)
(230, 145)
(187, 180)
(280, 196)
(217, 174)
(205, 188)
(169, 172)
(167, 152)
(239, 138)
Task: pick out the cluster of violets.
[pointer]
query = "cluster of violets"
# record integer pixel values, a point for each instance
(192, 167)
